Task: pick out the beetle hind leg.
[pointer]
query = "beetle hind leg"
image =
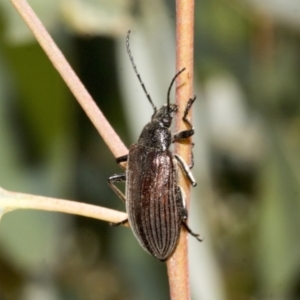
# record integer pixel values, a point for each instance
(188, 229)
(184, 214)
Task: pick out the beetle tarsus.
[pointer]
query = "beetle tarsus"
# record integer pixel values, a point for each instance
(187, 228)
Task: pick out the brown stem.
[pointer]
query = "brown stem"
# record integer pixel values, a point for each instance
(178, 264)
(77, 88)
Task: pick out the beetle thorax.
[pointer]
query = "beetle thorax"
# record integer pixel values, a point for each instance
(155, 136)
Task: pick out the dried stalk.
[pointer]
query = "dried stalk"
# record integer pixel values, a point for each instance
(21, 201)
(12, 200)
(178, 272)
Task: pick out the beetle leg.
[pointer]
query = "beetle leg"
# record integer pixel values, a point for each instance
(186, 133)
(182, 135)
(117, 178)
(189, 132)
(119, 223)
(191, 166)
(186, 170)
(186, 111)
(111, 181)
(184, 214)
(188, 229)
(122, 159)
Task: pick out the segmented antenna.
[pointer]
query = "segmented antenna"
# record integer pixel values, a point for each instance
(171, 84)
(137, 73)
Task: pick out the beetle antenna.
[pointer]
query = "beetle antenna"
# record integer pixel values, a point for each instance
(171, 84)
(137, 73)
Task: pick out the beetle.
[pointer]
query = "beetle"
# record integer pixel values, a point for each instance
(154, 202)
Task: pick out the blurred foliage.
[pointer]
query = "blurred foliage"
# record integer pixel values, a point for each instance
(248, 71)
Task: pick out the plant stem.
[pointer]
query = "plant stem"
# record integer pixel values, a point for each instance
(178, 264)
(12, 201)
(108, 134)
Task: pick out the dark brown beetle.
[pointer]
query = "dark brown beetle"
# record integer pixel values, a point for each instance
(154, 201)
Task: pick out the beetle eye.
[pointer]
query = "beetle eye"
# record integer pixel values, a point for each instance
(166, 121)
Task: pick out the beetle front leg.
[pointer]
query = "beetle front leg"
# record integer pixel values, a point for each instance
(186, 111)
(188, 229)
(184, 214)
(185, 134)
(189, 132)
(111, 181)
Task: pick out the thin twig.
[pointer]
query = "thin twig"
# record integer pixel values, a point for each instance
(77, 88)
(12, 201)
(178, 272)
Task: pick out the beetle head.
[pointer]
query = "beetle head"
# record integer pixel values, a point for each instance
(165, 115)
